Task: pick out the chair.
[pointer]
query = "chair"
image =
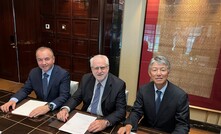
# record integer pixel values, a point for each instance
(127, 93)
(73, 87)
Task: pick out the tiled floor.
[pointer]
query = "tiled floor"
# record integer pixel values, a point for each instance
(15, 86)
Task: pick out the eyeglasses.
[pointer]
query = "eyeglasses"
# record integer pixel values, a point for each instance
(101, 68)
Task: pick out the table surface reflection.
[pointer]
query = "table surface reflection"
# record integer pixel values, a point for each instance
(46, 124)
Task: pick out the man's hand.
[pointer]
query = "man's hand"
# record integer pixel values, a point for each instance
(39, 111)
(63, 115)
(125, 130)
(97, 125)
(6, 106)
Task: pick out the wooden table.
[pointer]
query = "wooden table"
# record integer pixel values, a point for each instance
(45, 124)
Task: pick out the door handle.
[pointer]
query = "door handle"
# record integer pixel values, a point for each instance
(13, 45)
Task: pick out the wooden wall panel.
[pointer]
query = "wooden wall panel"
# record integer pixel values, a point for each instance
(63, 8)
(73, 33)
(93, 48)
(94, 28)
(94, 8)
(80, 48)
(64, 26)
(80, 8)
(80, 28)
(80, 65)
(63, 45)
(47, 7)
(64, 61)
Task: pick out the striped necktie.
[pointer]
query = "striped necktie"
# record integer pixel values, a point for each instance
(94, 104)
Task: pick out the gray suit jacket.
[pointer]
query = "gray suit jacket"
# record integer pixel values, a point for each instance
(173, 114)
(113, 101)
(58, 88)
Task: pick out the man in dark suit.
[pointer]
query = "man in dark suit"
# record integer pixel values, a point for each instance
(168, 111)
(57, 90)
(111, 101)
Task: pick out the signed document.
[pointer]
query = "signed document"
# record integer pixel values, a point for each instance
(26, 108)
(78, 124)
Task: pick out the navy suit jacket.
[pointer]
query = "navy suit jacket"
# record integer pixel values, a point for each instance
(173, 114)
(113, 103)
(58, 88)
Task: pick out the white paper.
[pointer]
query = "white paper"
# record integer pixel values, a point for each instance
(26, 108)
(78, 124)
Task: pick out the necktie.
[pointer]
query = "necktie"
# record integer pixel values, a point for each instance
(158, 100)
(45, 85)
(94, 104)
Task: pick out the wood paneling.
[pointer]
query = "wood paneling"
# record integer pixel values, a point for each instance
(94, 28)
(80, 8)
(64, 26)
(95, 8)
(74, 26)
(81, 28)
(65, 61)
(47, 7)
(80, 48)
(63, 8)
(63, 45)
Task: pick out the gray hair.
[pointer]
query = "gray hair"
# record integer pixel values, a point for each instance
(99, 56)
(160, 60)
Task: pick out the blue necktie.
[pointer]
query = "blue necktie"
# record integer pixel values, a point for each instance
(45, 85)
(94, 104)
(158, 100)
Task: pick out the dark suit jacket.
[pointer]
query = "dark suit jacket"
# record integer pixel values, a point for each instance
(58, 88)
(113, 101)
(173, 114)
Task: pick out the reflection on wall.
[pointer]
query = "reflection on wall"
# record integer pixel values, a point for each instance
(188, 33)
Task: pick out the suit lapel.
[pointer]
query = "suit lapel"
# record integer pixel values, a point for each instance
(39, 80)
(52, 78)
(107, 88)
(90, 88)
(165, 101)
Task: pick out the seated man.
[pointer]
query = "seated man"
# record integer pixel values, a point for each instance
(56, 90)
(163, 105)
(111, 101)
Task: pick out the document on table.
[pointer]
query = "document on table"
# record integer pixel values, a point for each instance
(78, 124)
(26, 108)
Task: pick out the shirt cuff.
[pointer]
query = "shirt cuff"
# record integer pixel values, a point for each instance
(66, 107)
(54, 105)
(14, 99)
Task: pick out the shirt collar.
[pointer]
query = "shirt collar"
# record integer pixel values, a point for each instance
(103, 82)
(49, 71)
(163, 89)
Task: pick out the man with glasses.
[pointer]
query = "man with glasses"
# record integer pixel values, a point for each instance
(102, 94)
(163, 105)
(50, 83)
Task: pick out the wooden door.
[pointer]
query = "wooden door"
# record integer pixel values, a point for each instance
(8, 62)
(27, 20)
(28, 32)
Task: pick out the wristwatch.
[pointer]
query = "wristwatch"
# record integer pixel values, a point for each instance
(107, 123)
(50, 106)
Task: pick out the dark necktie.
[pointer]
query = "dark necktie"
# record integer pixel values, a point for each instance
(94, 104)
(45, 85)
(158, 100)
